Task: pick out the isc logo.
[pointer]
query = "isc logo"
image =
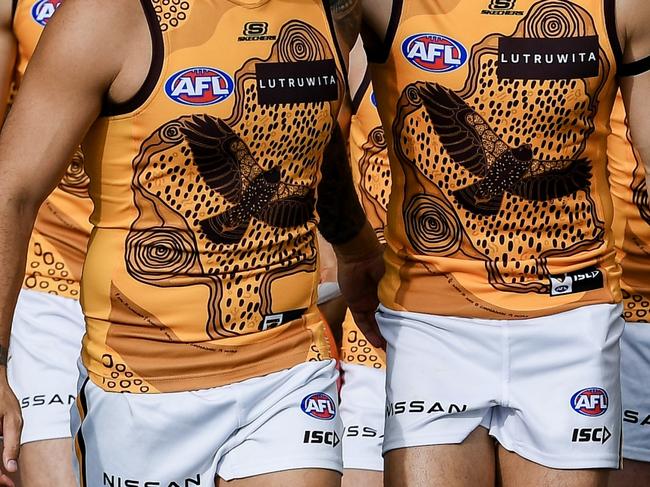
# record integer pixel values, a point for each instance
(43, 10)
(434, 52)
(199, 86)
(319, 405)
(592, 401)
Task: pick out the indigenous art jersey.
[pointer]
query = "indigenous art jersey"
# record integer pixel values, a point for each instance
(371, 173)
(631, 217)
(202, 267)
(57, 247)
(496, 128)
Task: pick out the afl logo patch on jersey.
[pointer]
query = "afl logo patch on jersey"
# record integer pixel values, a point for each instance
(592, 401)
(43, 10)
(434, 53)
(199, 86)
(319, 405)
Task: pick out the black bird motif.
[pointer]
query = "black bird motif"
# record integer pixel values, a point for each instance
(227, 166)
(470, 142)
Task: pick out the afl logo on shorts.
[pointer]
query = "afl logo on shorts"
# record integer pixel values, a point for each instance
(199, 86)
(43, 10)
(319, 405)
(592, 401)
(434, 52)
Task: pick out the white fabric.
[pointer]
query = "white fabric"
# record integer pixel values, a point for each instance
(446, 376)
(635, 380)
(42, 370)
(244, 429)
(328, 291)
(363, 406)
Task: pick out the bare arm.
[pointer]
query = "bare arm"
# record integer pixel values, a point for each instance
(42, 131)
(633, 18)
(7, 54)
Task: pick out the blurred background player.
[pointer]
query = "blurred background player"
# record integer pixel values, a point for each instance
(363, 397)
(500, 268)
(200, 281)
(48, 322)
(632, 233)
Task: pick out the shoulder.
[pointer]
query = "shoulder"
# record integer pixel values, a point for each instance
(632, 20)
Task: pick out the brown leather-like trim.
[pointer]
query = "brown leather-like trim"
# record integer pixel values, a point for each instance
(361, 91)
(111, 109)
(635, 67)
(379, 54)
(609, 10)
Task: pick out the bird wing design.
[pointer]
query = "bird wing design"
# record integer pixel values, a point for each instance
(547, 180)
(465, 135)
(292, 206)
(222, 158)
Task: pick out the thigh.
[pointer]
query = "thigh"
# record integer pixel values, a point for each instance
(47, 463)
(633, 473)
(515, 471)
(443, 375)
(362, 408)
(563, 403)
(635, 363)
(45, 346)
(294, 478)
(468, 464)
(362, 478)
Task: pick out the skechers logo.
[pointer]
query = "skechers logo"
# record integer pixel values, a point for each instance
(43, 10)
(256, 31)
(199, 86)
(319, 405)
(434, 53)
(592, 401)
(502, 7)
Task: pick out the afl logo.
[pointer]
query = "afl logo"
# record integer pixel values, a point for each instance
(43, 10)
(434, 53)
(592, 401)
(319, 405)
(199, 86)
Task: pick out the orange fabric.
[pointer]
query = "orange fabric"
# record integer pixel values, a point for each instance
(202, 268)
(58, 243)
(631, 217)
(498, 127)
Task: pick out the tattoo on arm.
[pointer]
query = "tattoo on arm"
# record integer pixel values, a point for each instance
(347, 20)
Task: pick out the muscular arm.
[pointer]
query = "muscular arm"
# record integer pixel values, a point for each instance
(60, 97)
(7, 54)
(633, 18)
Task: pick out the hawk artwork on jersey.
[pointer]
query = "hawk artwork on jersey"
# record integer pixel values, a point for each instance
(227, 197)
(481, 170)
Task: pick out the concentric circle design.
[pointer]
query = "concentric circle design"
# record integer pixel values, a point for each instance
(432, 226)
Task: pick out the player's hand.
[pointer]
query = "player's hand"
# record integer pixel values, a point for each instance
(360, 267)
(11, 422)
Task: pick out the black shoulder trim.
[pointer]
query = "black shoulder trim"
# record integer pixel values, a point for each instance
(361, 91)
(379, 54)
(111, 109)
(339, 53)
(14, 6)
(635, 67)
(612, 33)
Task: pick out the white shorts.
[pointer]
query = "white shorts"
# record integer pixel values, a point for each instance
(635, 380)
(547, 388)
(42, 369)
(282, 421)
(363, 406)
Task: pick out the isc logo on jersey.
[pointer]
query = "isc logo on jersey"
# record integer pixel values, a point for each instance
(319, 405)
(43, 10)
(434, 52)
(592, 401)
(199, 86)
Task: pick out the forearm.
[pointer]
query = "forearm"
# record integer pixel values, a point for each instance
(17, 219)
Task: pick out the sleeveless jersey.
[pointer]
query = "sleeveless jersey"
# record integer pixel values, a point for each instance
(57, 247)
(497, 120)
(631, 217)
(371, 173)
(202, 266)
